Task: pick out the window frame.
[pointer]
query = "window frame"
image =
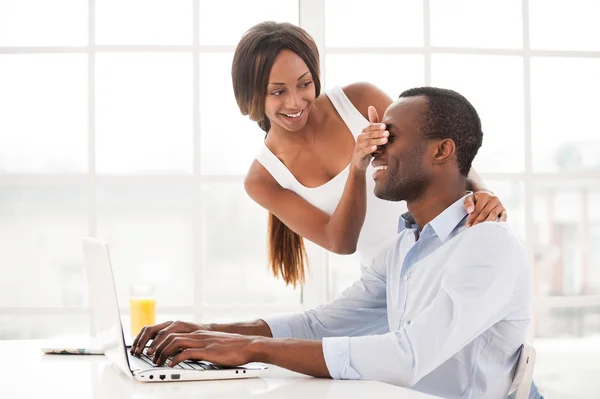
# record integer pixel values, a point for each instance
(311, 18)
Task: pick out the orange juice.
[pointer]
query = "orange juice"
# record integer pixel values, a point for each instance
(143, 313)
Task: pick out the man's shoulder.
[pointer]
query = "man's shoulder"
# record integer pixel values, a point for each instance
(495, 240)
(485, 231)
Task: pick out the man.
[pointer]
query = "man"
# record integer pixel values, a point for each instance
(454, 301)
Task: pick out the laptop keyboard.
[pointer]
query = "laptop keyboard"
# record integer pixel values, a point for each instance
(186, 365)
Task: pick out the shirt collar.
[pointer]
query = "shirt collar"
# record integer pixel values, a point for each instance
(443, 224)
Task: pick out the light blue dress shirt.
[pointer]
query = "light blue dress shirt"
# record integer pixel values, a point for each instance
(443, 310)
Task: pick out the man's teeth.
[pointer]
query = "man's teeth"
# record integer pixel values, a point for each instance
(293, 115)
(382, 167)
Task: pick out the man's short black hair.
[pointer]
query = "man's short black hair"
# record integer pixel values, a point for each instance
(450, 115)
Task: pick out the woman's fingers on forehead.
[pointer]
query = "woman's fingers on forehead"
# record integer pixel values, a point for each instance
(377, 134)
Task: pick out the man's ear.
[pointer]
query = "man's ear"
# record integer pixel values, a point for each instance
(443, 151)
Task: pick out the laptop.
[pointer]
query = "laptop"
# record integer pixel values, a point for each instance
(110, 336)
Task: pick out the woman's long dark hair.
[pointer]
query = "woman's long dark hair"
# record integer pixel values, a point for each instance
(252, 63)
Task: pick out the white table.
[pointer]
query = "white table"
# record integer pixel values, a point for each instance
(27, 373)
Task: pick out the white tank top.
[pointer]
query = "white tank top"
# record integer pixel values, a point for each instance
(381, 222)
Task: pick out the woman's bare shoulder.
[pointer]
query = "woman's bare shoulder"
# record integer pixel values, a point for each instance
(364, 94)
(259, 184)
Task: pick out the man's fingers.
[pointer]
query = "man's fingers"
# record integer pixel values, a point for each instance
(187, 354)
(176, 344)
(373, 117)
(503, 216)
(135, 341)
(160, 337)
(146, 334)
(158, 340)
(160, 347)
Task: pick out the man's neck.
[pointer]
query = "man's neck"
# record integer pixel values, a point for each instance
(435, 200)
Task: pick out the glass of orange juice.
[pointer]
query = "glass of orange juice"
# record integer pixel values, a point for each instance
(142, 307)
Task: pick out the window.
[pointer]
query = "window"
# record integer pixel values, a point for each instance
(54, 140)
(143, 112)
(568, 140)
(494, 85)
(126, 128)
(533, 86)
(477, 24)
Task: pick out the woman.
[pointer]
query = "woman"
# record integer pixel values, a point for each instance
(309, 173)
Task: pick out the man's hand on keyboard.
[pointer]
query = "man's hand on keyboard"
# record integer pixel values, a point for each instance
(212, 346)
(159, 332)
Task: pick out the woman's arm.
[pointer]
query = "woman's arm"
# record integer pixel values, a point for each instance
(364, 95)
(483, 205)
(339, 232)
(474, 182)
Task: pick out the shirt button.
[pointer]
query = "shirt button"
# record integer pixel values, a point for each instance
(406, 277)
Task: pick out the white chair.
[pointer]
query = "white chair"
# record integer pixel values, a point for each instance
(524, 372)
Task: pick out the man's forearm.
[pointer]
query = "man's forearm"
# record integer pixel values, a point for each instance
(300, 355)
(256, 327)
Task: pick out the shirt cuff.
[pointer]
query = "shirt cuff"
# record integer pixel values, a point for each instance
(336, 351)
(280, 326)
